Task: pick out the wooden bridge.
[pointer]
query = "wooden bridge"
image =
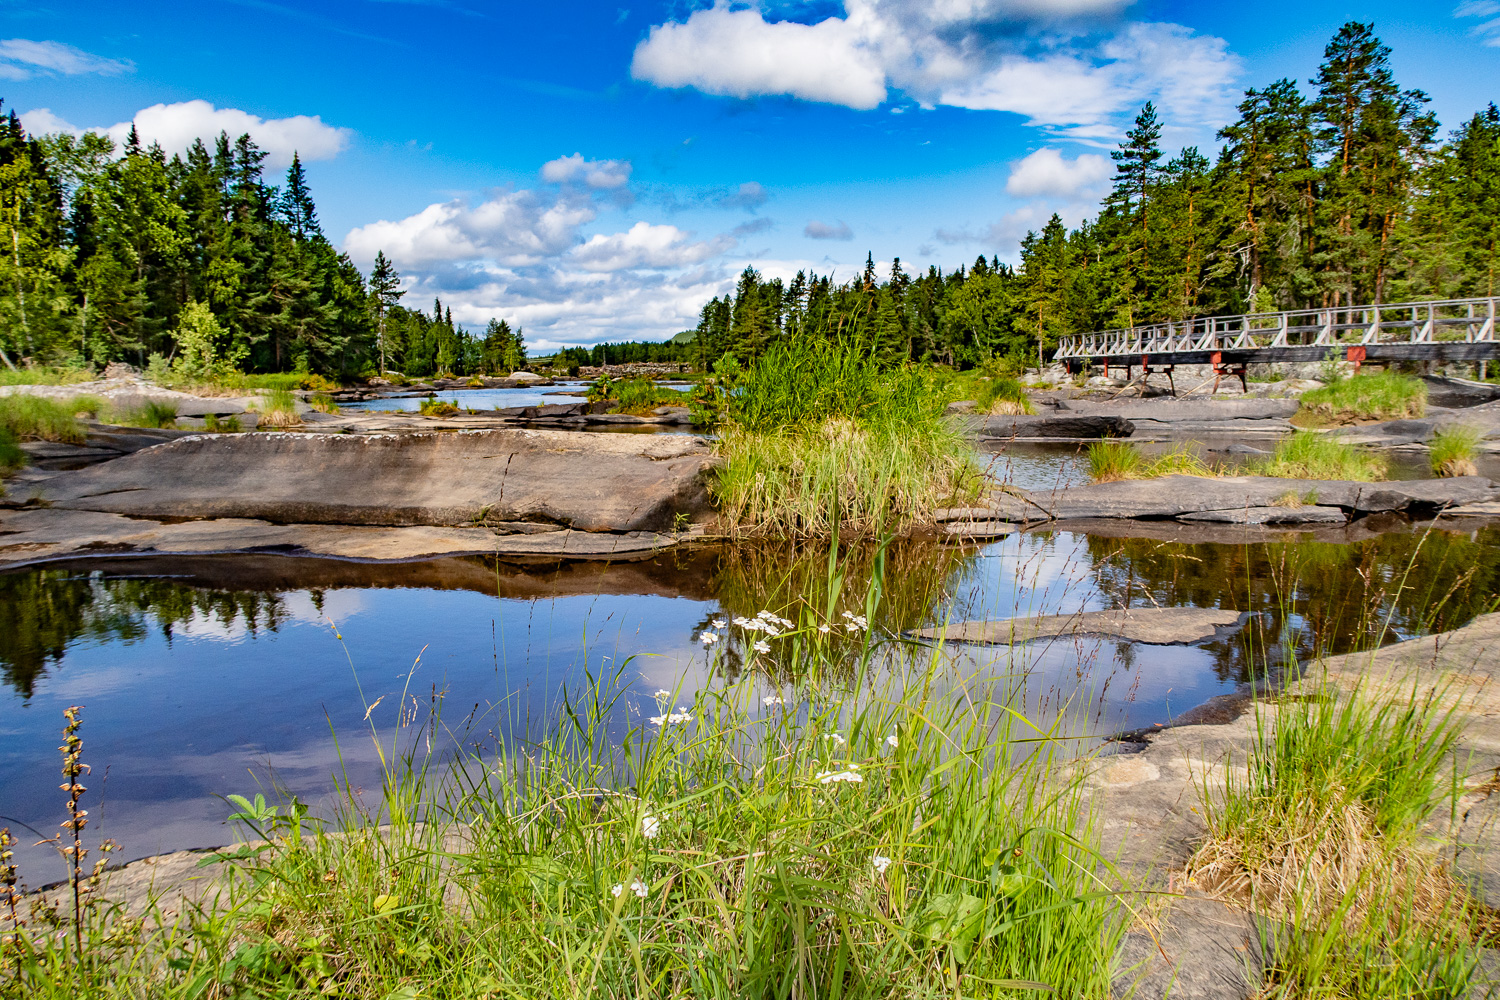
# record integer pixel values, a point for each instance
(1446, 330)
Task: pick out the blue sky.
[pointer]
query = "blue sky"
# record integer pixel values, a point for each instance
(597, 170)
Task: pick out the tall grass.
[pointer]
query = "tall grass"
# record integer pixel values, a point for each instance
(886, 844)
(36, 418)
(1114, 461)
(278, 408)
(1384, 395)
(12, 457)
(1324, 834)
(1002, 394)
(642, 395)
(1310, 455)
(1453, 449)
(818, 438)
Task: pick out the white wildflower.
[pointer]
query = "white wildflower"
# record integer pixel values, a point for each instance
(662, 693)
(835, 737)
(673, 719)
(708, 638)
(824, 629)
(772, 699)
(851, 775)
(892, 742)
(850, 627)
(720, 623)
(650, 826)
(761, 646)
(742, 622)
(639, 888)
(881, 863)
(616, 889)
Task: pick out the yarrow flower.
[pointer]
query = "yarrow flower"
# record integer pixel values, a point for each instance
(892, 742)
(673, 719)
(772, 699)
(662, 693)
(639, 888)
(835, 737)
(650, 826)
(881, 864)
(708, 638)
(851, 775)
(761, 646)
(824, 629)
(720, 623)
(616, 889)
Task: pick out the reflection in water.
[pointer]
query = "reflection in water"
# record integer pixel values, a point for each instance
(215, 667)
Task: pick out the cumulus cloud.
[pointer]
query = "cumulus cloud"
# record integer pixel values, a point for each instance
(1064, 64)
(645, 246)
(752, 227)
(601, 175)
(816, 230)
(175, 126)
(1488, 32)
(23, 58)
(1047, 173)
(527, 255)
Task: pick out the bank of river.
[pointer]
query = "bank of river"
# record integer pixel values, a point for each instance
(485, 399)
(212, 676)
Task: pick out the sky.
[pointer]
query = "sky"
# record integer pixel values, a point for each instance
(597, 171)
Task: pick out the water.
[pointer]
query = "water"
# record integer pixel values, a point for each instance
(205, 677)
(487, 399)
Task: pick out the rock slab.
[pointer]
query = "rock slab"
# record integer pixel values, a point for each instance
(1154, 626)
(591, 482)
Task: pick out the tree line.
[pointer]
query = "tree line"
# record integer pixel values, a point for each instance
(1340, 195)
(120, 253)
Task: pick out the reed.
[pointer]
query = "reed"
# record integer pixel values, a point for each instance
(1453, 449)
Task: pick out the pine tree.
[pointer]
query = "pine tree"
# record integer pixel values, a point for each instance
(385, 292)
(298, 212)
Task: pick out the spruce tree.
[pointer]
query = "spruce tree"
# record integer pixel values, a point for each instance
(385, 292)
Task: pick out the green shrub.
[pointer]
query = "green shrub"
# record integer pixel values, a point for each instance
(1381, 396)
(278, 408)
(1453, 449)
(37, 418)
(1310, 455)
(439, 408)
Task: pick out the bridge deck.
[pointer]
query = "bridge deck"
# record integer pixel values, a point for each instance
(1445, 330)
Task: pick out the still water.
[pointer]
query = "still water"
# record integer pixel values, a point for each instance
(488, 399)
(207, 677)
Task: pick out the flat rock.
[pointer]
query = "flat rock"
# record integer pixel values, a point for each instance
(1066, 425)
(49, 534)
(593, 482)
(978, 529)
(1155, 626)
(1185, 417)
(1175, 496)
(1271, 515)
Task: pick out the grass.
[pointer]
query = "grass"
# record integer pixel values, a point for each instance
(37, 375)
(866, 843)
(154, 413)
(323, 403)
(1310, 455)
(1002, 395)
(1453, 449)
(12, 457)
(642, 396)
(214, 425)
(1324, 835)
(1385, 395)
(278, 408)
(36, 418)
(817, 439)
(1116, 461)
(434, 407)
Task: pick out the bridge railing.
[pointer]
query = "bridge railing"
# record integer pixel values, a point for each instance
(1463, 320)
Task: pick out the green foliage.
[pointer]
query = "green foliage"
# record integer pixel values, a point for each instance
(37, 418)
(203, 348)
(153, 413)
(434, 407)
(643, 395)
(1310, 455)
(1453, 449)
(1002, 395)
(215, 425)
(1386, 395)
(11, 455)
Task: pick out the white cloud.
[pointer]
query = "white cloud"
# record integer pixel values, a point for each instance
(597, 174)
(738, 53)
(23, 58)
(1046, 173)
(645, 245)
(1052, 61)
(175, 126)
(1489, 32)
(816, 230)
(526, 255)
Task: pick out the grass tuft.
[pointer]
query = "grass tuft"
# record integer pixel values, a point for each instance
(1115, 461)
(1310, 455)
(434, 407)
(37, 418)
(1003, 395)
(1384, 395)
(278, 408)
(1324, 835)
(1453, 450)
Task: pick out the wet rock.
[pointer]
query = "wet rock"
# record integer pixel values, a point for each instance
(1271, 515)
(594, 482)
(978, 529)
(1062, 425)
(1155, 626)
(1459, 392)
(1175, 496)
(1190, 417)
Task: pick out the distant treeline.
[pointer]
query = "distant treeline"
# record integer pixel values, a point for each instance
(629, 352)
(106, 252)
(1338, 196)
